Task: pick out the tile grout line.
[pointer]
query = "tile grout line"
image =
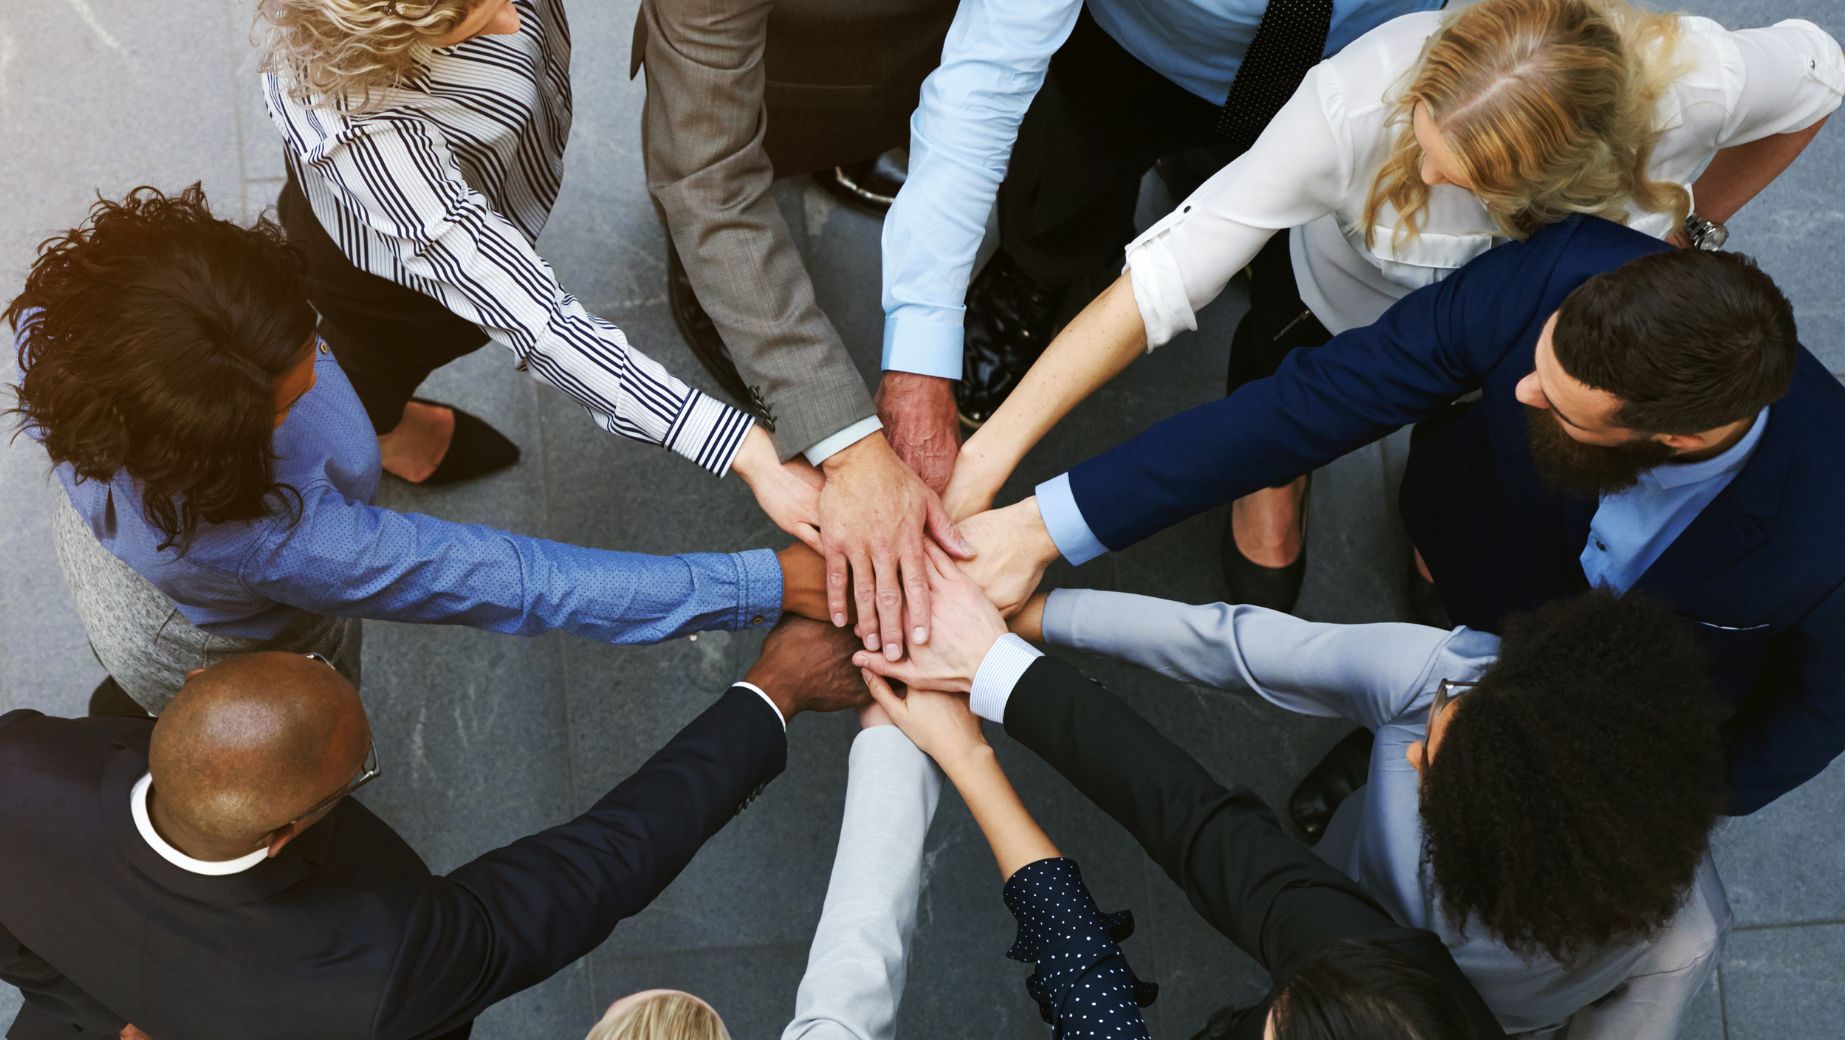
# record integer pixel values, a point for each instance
(1723, 1009)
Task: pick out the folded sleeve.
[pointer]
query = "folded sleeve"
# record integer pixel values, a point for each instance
(1777, 79)
(1297, 171)
(352, 559)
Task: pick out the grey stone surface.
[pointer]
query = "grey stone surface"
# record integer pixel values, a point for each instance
(485, 737)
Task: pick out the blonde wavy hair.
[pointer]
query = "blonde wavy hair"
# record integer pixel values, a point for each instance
(1548, 105)
(666, 1015)
(348, 50)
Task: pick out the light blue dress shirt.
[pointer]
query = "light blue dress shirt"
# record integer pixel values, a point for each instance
(344, 556)
(1633, 527)
(961, 135)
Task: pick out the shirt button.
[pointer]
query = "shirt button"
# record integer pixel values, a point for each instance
(1600, 546)
(757, 620)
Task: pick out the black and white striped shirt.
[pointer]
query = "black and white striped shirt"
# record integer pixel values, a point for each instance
(443, 186)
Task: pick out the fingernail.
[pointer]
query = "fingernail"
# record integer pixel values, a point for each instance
(871, 641)
(892, 652)
(859, 660)
(839, 621)
(919, 634)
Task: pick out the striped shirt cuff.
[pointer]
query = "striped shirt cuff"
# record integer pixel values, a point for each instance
(708, 431)
(999, 672)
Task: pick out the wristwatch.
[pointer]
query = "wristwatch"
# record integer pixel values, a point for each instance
(1705, 234)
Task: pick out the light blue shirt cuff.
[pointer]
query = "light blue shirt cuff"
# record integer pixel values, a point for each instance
(999, 673)
(913, 343)
(1064, 521)
(759, 587)
(838, 442)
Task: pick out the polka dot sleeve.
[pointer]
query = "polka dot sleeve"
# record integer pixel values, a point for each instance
(1084, 986)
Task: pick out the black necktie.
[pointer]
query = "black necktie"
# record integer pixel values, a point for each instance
(1287, 44)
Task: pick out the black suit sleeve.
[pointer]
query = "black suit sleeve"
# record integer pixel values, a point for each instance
(1267, 892)
(50, 997)
(517, 915)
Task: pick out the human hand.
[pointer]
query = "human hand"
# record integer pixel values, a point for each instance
(972, 486)
(788, 492)
(966, 627)
(1028, 623)
(806, 666)
(919, 418)
(873, 714)
(1012, 550)
(129, 1032)
(940, 724)
(873, 516)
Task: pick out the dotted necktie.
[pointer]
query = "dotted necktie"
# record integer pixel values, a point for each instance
(1287, 44)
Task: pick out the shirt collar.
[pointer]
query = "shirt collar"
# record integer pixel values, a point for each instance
(1723, 464)
(211, 868)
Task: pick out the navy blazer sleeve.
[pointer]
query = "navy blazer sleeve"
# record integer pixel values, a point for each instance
(1774, 750)
(1263, 890)
(517, 915)
(1429, 348)
(53, 1002)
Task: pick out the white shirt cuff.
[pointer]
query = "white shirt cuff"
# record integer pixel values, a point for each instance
(838, 442)
(757, 690)
(999, 672)
(1159, 293)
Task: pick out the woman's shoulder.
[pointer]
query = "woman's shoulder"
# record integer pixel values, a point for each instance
(1357, 81)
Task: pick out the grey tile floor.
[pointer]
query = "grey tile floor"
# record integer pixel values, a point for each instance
(490, 737)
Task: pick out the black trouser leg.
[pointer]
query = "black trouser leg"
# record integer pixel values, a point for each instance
(387, 337)
(1277, 321)
(1101, 120)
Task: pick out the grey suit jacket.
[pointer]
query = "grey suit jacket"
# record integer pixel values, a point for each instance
(724, 117)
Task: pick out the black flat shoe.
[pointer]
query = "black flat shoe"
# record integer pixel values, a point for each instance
(869, 184)
(475, 450)
(1277, 588)
(110, 699)
(1330, 782)
(699, 332)
(1010, 319)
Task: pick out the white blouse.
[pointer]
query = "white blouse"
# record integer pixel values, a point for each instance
(1312, 169)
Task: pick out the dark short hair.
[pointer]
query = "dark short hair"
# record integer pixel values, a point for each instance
(1575, 788)
(151, 339)
(1688, 340)
(1359, 989)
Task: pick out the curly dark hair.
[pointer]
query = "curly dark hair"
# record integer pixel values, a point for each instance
(1575, 788)
(151, 339)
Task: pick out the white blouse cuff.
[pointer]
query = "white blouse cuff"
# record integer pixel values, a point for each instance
(1159, 293)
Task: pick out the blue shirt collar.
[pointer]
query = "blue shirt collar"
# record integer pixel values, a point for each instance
(1673, 475)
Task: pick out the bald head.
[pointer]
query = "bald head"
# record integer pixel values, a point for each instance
(253, 743)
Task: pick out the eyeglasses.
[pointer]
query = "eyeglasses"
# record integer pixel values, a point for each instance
(1445, 693)
(366, 774)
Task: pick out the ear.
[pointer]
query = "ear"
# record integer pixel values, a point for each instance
(279, 839)
(1683, 443)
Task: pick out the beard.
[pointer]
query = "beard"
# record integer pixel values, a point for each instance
(1588, 470)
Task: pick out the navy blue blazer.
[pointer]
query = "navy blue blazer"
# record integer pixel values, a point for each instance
(1759, 575)
(345, 934)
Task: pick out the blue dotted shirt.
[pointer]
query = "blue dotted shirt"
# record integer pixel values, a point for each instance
(345, 556)
(1083, 985)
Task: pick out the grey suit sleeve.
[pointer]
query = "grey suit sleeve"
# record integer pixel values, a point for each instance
(855, 969)
(1368, 674)
(703, 128)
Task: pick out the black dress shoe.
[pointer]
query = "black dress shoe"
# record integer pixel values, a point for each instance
(1010, 319)
(475, 450)
(1331, 780)
(1222, 1024)
(700, 334)
(869, 184)
(110, 699)
(1277, 588)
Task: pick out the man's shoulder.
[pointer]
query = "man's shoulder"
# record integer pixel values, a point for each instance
(29, 737)
(1584, 246)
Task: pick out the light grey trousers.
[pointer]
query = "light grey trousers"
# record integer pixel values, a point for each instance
(143, 640)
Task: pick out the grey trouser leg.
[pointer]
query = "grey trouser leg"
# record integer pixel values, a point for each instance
(143, 640)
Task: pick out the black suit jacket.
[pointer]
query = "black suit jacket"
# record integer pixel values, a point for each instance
(1265, 891)
(345, 934)
(1758, 576)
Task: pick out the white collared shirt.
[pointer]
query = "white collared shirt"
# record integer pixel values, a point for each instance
(211, 868)
(1312, 169)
